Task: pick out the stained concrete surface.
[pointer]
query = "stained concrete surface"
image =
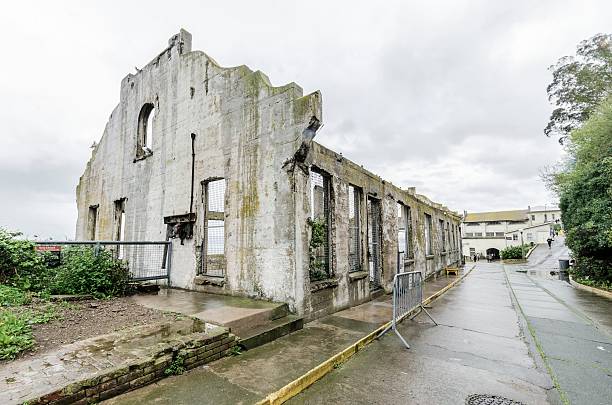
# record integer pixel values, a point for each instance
(256, 373)
(27, 379)
(571, 327)
(237, 313)
(477, 348)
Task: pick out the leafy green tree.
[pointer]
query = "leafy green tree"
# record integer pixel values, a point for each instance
(580, 83)
(585, 191)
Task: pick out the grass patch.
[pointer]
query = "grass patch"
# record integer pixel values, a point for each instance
(16, 321)
(15, 334)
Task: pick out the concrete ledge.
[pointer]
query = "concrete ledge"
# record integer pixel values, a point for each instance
(323, 284)
(593, 290)
(514, 261)
(531, 250)
(358, 275)
(208, 280)
(301, 383)
(187, 352)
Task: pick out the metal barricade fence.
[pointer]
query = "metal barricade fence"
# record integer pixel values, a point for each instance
(407, 297)
(146, 260)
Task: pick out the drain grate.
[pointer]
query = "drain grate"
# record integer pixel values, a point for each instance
(488, 399)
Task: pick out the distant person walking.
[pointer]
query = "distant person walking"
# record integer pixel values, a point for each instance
(549, 240)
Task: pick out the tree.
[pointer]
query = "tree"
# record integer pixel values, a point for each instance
(580, 83)
(585, 191)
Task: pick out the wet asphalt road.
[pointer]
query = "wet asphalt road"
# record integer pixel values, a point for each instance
(525, 336)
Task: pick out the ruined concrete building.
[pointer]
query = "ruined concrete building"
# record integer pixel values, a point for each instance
(223, 164)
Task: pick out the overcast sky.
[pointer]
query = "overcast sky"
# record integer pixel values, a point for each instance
(449, 97)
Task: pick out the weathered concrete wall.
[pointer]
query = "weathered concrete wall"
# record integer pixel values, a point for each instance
(245, 130)
(347, 289)
(251, 134)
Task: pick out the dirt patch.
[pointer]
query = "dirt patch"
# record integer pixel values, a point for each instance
(84, 319)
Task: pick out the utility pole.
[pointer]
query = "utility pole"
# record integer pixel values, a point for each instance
(522, 246)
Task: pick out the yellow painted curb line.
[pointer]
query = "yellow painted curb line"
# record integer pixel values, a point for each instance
(301, 383)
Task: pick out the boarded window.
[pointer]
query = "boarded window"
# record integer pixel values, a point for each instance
(319, 222)
(354, 200)
(213, 246)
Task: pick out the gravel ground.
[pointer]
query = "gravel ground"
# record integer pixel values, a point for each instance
(84, 319)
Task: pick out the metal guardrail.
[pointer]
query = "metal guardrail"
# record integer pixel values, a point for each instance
(407, 297)
(146, 260)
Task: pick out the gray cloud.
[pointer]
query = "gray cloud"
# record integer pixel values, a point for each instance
(445, 96)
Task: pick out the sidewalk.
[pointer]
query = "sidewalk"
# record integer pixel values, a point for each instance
(572, 329)
(476, 349)
(250, 377)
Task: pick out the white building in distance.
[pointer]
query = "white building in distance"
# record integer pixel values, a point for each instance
(485, 233)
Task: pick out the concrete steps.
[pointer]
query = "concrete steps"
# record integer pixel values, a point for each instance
(255, 322)
(270, 331)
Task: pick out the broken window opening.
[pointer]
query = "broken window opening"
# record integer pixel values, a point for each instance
(119, 234)
(442, 235)
(354, 197)
(213, 245)
(428, 236)
(404, 235)
(144, 140)
(320, 225)
(374, 243)
(92, 221)
(448, 236)
(401, 237)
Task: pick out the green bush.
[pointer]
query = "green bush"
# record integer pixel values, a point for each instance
(15, 334)
(514, 252)
(11, 296)
(20, 264)
(87, 271)
(585, 190)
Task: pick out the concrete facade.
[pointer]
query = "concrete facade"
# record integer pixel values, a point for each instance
(185, 124)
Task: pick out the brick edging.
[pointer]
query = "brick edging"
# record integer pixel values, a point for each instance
(195, 350)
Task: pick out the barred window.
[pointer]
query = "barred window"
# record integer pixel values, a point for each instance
(320, 223)
(213, 246)
(354, 200)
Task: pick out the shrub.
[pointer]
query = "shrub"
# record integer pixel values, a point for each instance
(11, 296)
(514, 252)
(87, 271)
(15, 335)
(20, 264)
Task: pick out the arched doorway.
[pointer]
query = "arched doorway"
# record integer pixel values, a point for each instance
(494, 253)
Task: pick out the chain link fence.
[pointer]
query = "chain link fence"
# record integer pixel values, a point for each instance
(146, 260)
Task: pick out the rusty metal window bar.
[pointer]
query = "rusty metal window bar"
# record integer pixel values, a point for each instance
(320, 225)
(442, 235)
(374, 243)
(213, 244)
(428, 235)
(354, 197)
